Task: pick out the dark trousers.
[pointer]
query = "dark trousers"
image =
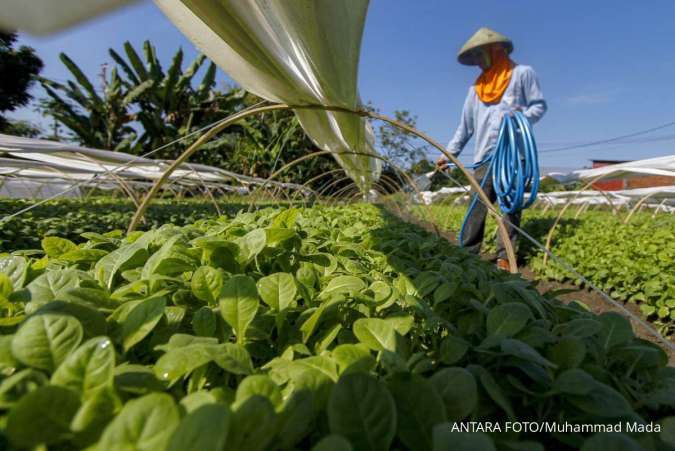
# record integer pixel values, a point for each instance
(472, 238)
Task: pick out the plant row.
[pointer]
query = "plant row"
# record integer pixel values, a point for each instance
(70, 218)
(324, 328)
(631, 262)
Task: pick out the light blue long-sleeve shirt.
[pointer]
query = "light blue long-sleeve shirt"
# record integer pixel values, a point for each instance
(482, 120)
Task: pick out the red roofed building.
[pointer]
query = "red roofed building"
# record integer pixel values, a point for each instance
(617, 184)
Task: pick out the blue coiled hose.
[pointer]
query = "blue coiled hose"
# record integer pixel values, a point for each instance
(514, 167)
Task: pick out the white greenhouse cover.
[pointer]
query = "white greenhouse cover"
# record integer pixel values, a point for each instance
(664, 166)
(48, 16)
(56, 162)
(297, 52)
(22, 188)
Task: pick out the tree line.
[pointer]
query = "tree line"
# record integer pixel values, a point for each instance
(137, 104)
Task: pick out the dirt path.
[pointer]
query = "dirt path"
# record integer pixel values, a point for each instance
(592, 299)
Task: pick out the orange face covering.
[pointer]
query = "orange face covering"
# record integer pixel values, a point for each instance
(492, 83)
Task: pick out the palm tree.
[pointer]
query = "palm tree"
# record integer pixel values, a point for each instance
(94, 119)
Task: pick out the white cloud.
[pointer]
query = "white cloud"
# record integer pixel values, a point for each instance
(589, 99)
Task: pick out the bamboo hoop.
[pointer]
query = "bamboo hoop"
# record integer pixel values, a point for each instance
(508, 245)
(638, 205)
(549, 236)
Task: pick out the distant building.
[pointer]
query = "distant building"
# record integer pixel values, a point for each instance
(644, 181)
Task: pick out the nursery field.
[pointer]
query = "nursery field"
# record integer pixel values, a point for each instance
(326, 328)
(631, 262)
(69, 218)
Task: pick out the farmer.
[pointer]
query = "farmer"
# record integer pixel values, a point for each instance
(502, 87)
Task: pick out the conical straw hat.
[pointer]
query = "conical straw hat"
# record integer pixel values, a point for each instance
(482, 37)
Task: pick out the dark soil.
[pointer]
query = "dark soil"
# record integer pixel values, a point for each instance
(591, 298)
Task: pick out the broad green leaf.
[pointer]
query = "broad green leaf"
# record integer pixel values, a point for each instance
(325, 264)
(258, 385)
(524, 351)
(306, 276)
(615, 330)
(7, 361)
(136, 380)
(52, 284)
(179, 341)
(207, 283)
(602, 401)
(172, 258)
(493, 389)
(378, 334)
(93, 416)
(83, 255)
(42, 416)
(452, 349)
(574, 382)
(144, 424)
(361, 409)
(418, 409)
(204, 322)
(667, 434)
(286, 218)
(277, 290)
(239, 304)
(196, 399)
(344, 284)
(44, 341)
(508, 319)
(569, 352)
(6, 286)
(13, 388)
(296, 418)
(581, 327)
(317, 315)
(93, 321)
(321, 364)
(333, 442)
(179, 362)
(204, 429)
(89, 368)
(402, 324)
(16, 267)
(251, 244)
(253, 425)
(426, 282)
(444, 292)
(234, 359)
(126, 257)
(614, 441)
(276, 236)
(55, 247)
(353, 358)
(458, 390)
(96, 298)
(142, 320)
(381, 291)
(445, 439)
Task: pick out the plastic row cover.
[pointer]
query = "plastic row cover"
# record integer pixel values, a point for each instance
(299, 52)
(48, 16)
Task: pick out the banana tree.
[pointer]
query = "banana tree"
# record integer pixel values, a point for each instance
(169, 105)
(95, 118)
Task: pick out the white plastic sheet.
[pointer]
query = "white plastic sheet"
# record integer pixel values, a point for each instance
(42, 159)
(48, 16)
(663, 166)
(300, 52)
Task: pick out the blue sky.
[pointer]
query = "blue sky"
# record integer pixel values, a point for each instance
(606, 67)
